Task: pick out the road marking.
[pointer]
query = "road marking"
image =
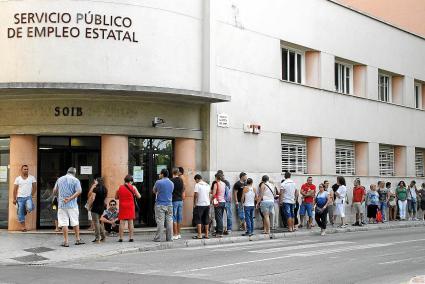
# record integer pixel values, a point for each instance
(401, 260)
(255, 245)
(234, 244)
(317, 245)
(302, 254)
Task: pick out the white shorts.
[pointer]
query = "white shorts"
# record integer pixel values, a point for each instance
(67, 217)
(340, 210)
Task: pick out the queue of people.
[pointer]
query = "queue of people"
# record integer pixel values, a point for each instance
(298, 206)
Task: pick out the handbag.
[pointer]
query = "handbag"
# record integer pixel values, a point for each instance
(134, 197)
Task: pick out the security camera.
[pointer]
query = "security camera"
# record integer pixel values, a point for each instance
(157, 120)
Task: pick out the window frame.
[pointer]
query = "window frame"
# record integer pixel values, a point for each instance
(385, 75)
(349, 159)
(299, 155)
(389, 172)
(302, 64)
(419, 164)
(418, 95)
(346, 66)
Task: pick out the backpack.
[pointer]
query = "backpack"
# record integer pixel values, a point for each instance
(227, 193)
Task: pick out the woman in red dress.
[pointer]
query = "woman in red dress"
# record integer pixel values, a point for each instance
(125, 194)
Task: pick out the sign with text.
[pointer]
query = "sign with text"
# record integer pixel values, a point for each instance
(223, 120)
(86, 25)
(86, 170)
(3, 173)
(137, 174)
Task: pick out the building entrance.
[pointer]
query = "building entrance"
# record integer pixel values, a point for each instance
(146, 159)
(55, 156)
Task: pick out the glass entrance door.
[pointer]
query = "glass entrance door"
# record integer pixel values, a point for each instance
(146, 159)
(55, 156)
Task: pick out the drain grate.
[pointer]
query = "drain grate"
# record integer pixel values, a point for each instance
(30, 258)
(38, 250)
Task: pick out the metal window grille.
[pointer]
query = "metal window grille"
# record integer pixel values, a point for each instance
(417, 96)
(342, 78)
(294, 154)
(345, 158)
(419, 162)
(384, 88)
(386, 160)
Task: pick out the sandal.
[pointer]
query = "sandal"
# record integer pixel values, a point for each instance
(79, 242)
(120, 240)
(196, 238)
(24, 230)
(206, 237)
(131, 240)
(65, 245)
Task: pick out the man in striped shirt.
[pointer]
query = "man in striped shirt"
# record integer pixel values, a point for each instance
(68, 188)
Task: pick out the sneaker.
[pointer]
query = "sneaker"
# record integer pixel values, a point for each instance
(246, 234)
(175, 237)
(356, 224)
(229, 232)
(344, 226)
(179, 237)
(323, 233)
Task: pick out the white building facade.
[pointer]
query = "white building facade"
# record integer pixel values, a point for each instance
(328, 91)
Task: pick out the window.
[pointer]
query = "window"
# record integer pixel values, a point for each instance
(343, 78)
(4, 185)
(345, 158)
(291, 66)
(384, 88)
(294, 154)
(419, 162)
(386, 160)
(418, 96)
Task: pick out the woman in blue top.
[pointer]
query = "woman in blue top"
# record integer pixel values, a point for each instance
(372, 202)
(321, 203)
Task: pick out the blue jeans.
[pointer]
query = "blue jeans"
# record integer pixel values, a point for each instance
(241, 213)
(306, 207)
(288, 210)
(382, 208)
(177, 211)
(249, 218)
(411, 206)
(229, 215)
(25, 205)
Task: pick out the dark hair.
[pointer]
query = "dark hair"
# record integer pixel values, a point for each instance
(325, 181)
(265, 178)
(335, 187)
(181, 170)
(249, 181)
(128, 178)
(310, 177)
(165, 173)
(413, 182)
(197, 177)
(220, 172)
(287, 174)
(112, 200)
(379, 182)
(402, 181)
(24, 166)
(241, 175)
(176, 171)
(388, 184)
(219, 176)
(341, 180)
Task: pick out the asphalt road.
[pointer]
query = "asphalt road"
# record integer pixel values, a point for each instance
(387, 256)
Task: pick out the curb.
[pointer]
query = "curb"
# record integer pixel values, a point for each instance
(241, 239)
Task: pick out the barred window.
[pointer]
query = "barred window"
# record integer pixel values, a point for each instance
(419, 161)
(386, 160)
(384, 90)
(342, 78)
(345, 158)
(294, 154)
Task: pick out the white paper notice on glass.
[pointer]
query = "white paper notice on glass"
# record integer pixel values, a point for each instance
(3, 173)
(159, 168)
(86, 170)
(137, 174)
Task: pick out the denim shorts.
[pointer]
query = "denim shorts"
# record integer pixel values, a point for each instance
(25, 205)
(306, 207)
(288, 210)
(267, 207)
(177, 211)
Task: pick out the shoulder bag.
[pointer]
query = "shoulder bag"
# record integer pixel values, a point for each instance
(136, 205)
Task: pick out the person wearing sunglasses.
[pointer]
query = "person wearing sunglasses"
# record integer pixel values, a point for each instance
(110, 219)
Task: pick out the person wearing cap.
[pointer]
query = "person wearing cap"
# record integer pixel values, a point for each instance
(68, 188)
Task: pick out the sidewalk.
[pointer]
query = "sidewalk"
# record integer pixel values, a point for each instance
(39, 248)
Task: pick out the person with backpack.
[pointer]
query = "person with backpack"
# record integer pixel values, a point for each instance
(248, 199)
(219, 204)
(267, 195)
(97, 204)
(237, 195)
(228, 206)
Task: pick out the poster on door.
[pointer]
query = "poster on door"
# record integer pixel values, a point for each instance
(3, 173)
(86, 170)
(137, 174)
